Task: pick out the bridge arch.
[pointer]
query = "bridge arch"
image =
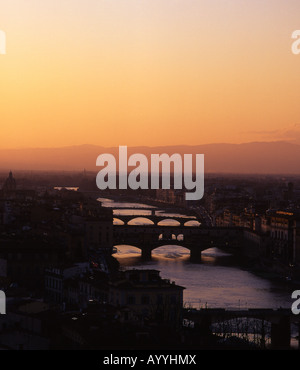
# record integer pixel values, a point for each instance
(128, 248)
(141, 220)
(168, 222)
(180, 237)
(170, 237)
(178, 250)
(118, 221)
(193, 223)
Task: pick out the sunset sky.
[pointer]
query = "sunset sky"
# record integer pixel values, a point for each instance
(148, 72)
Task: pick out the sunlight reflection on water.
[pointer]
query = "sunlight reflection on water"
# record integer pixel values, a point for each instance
(216, 282)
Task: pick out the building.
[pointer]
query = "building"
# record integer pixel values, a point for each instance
(282, 235)
(28, 256)
(56, 279)
(140, 294)
(98, 226)
(148, 296)
(28, 325)
(10, 184)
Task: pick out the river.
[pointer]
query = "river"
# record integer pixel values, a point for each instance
(218, 281)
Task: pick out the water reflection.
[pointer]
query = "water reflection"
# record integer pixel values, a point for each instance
(110, 202)
(218, 281)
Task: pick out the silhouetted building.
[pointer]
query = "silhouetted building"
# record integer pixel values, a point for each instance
(10, 184)
(148, 296)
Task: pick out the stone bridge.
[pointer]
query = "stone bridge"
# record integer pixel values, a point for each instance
(152, 216)
(196, 239)
(155, 219)
(280, 320)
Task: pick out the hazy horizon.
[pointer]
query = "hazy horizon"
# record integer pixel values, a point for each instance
(256, 157)
(152, 146)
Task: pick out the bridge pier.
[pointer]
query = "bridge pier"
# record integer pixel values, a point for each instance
(281, 333)
(146, 254)
(195, 255)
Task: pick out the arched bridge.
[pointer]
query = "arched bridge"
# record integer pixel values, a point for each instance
(155, 219)
(196, 239)
(152, 216)
(280, 320)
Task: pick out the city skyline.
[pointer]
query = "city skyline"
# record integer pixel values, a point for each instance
(99, 269)
(149, 177)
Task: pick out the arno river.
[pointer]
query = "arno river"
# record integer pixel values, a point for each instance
(218, 281)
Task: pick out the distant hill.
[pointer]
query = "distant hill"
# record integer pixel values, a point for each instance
(256, 157)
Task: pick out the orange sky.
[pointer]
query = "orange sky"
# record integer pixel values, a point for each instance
(147, 72)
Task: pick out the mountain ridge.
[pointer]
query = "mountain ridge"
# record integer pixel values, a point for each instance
(274, 157)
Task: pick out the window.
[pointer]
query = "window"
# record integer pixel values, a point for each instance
(145, 299)
(131, 300)
(173, 299)
(159, 299)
